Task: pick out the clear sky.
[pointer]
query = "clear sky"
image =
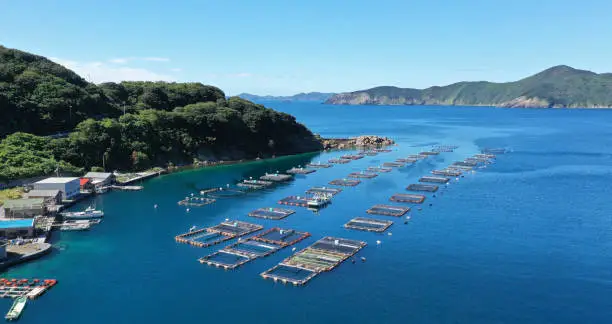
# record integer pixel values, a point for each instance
(284, 47)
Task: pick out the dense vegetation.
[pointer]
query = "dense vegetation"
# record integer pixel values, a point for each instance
(310, 96)
(560, 86)
(127, 125)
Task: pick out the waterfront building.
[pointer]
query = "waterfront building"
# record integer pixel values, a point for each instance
(70, 187)
(14, 228)
(24, 208)
(100, 179)
(51, 197)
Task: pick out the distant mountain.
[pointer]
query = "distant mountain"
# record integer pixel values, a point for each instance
(558, 87)
(310, 96)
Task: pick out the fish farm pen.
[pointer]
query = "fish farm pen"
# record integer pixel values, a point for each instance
(387, 210)
(324, 255)
(300, 171)
(250, 186)
(225, 193)
(352, 157)
(324, 190)
(271, 213)
(379, 169)
(434, 179)
(369, 153)
(276, 177)
(407, 160)
(394, 164)
(447, 173)
(459, 168)
(417, 156)
(344, 182)
(319, 165)
(196, 201)
(300, 201)
(422, 187)
(31, 288)
(254, 247)
(383, 150)
(408, 198)
(368, 224)
(339, 161)
(494, 151)
(216, 234)
(465, 164)
(485, 156)
(444, 148)
(429, 153)
(362, 175)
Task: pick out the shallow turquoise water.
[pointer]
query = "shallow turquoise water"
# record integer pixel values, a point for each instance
(528, 240)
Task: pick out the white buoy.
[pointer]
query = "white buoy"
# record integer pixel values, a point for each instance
(192, 194)
(293, 250)
(378, 242)
(227, 185)
(187, 209)
(390, 234)
(155, 206)
(227, 219)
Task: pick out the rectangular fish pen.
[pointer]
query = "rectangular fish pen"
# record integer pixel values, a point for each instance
(485, 156)
(250, 186)
(379, 169)
(406, 160)
(196, 201)
(383, 150)
(494, 151)
(368, 224)
(324, 255)
(417, 156)
(408, 198)
(447, 173)
(429, 153)
(394, 164)
(319, 165)
(271, 213)
(422, 187)
(255, 247)
(258, 182)
(300, 171)
(362, 175)
(352, 157)
(297, 201)
(465, 164)
(369, 153)
(324, 190)
(459, 168)
(434, 179)
(216, 234)
(339, 161)
(276, 177)
(387, 210)
(345, 182)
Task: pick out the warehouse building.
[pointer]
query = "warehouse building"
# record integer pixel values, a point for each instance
(24, 208)
(70, 187)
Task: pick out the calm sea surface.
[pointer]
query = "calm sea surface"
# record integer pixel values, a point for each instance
(527, 240)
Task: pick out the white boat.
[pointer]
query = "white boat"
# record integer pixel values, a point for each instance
(88, 213)
(319, 201)
(75, 227)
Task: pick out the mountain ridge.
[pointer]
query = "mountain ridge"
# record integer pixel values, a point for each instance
(302, 96)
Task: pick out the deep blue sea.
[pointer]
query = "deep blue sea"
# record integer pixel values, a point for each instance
(526, 240)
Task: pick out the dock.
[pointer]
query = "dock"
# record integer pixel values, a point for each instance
(126, 188)
(324, 190)
(271, 213)
(388, 210)
(408, 198)
(276, 177)
(196, 201)
(339, 161)
(322, 256)
(434, 179)
(368, 224)
(419, 187)
(216, 234)
(394, 164)
(379, 169)
(300, 171)
(362, 175)
(345, 182)
(253, 248)
(319, 165)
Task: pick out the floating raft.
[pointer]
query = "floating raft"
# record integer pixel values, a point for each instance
(407, 160)
(378, 169)
(216, 234)
(276, 177)
(196, 201)
(485, 156)
(254, 247)
(382, 150)
(422, 187)
(494, 151)
(258, 182)
(324, 255)
(408, 198)
(31, 288)
(344, 182)
(300, 171)
(387, 210)
(362, 175)
(447, 173)
(459, 168)
(271, 213)
(352, 157)
(394, 164)
(444, 148)
(429, 153)
(465, 164)
(339, 161)
(319, 165)
(324, 190)
(369, 153)
(417, 156)
(250, 186)
(368, 224)
(295, 201)
(434, 179)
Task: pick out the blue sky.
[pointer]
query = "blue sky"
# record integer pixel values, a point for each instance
(285, 47)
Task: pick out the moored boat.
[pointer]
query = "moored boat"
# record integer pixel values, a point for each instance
(88, 213)
(16, 309)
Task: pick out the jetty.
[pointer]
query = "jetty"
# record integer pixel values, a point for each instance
(368, 224)
(362, 175)
(388, 210)
(322, 256)
(276, 177)
(339, 161)
(408, 198)
(216, 234)
(422, 187)
(271, 213)
(253, 248)
(300, 171)
(434, 179)
(324, 190)
(345, 182)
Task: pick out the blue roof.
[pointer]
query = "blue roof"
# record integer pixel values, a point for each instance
(17, 223)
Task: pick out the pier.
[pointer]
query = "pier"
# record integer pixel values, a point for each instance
(408, 198)
(276, 177)
(388, 210)
(344, 182)
(300, 171)
(434, 179)
(422, 187)
(322, 256)
(216, 234)
(368, 224)
(271, 213)
(324, 190)
(362, 175)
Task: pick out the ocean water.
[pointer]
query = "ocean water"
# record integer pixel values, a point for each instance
(526, 240)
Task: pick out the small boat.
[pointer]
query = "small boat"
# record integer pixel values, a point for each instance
(88, 213)
(318, 201)
(16, 309)
(75, 227)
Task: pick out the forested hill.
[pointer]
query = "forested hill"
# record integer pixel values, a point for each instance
(164, 123)
(557, 87)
